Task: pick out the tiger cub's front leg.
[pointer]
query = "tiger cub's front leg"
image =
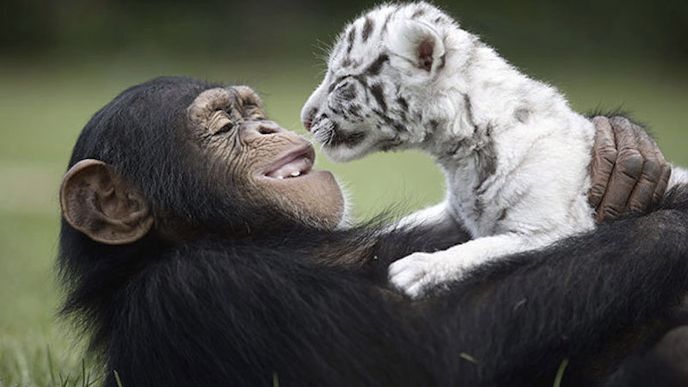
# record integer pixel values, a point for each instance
(418, 272)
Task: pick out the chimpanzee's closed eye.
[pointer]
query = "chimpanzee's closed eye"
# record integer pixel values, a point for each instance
(224, 129)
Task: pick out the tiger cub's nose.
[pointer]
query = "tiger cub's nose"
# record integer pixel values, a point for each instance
(308, 119)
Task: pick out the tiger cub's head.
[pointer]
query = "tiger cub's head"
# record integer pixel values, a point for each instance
(384, 83)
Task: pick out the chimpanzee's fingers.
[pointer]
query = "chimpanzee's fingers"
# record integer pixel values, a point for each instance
(663, 183)
(627, 170)
(603, 160)
(642, 196)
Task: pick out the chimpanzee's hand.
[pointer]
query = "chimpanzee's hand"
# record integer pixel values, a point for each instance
(629, 172)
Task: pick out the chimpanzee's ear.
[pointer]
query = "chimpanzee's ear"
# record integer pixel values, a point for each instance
(417, 42)
(99, 203)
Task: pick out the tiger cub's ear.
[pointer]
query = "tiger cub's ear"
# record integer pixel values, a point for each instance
(418, 43)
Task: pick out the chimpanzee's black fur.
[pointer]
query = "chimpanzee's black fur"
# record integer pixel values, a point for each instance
(261, 310)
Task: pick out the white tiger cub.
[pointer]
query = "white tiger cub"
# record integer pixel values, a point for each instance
(515, 156)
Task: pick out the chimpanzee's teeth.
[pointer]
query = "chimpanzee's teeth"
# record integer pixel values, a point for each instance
(294, 168)
(289, 176)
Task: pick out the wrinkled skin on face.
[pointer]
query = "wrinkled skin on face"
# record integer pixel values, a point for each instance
(272, 165)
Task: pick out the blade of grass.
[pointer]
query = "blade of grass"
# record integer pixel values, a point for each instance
(560, 373)
(51, 366)
(117, 379)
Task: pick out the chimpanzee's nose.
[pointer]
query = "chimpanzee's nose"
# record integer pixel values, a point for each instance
(260, 128)
(268, 127)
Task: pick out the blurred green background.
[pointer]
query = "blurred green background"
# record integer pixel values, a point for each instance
(62, 60)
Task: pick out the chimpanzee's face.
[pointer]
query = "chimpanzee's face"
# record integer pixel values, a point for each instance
(148, 161)
(273, 166)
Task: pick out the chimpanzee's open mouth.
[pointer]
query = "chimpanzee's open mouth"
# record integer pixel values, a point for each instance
(294, 164)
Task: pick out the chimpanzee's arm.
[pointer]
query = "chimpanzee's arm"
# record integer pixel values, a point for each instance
(522, 317)
(251, 315)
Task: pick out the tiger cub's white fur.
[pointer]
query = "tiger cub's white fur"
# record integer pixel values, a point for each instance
(514, 154)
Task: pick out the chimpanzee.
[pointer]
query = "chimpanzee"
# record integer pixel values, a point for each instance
(199, 247)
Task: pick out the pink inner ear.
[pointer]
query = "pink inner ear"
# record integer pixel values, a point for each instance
(425, 49)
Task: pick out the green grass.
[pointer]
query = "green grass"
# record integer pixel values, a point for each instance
(44, 106)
